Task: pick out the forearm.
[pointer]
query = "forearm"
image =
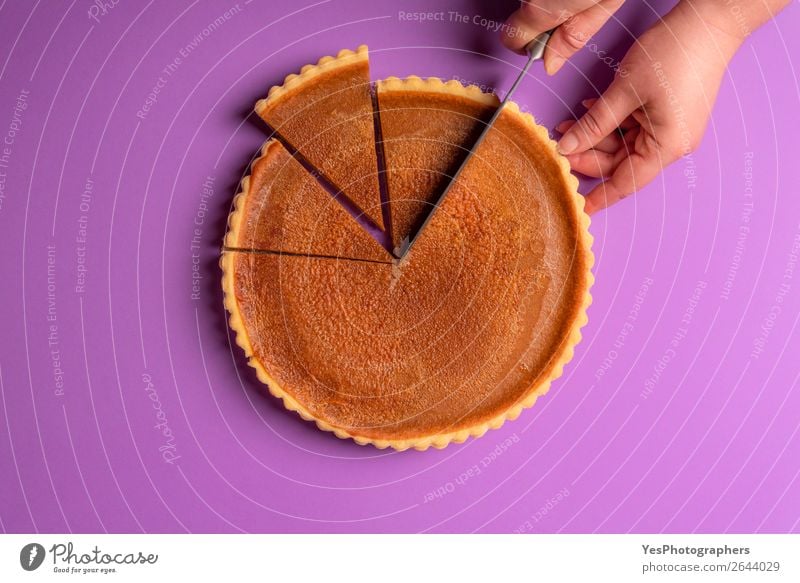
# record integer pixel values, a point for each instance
(737, 18)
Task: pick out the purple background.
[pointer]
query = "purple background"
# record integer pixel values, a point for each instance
(651, 428)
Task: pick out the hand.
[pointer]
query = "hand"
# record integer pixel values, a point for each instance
(656, 109)
(578, 20)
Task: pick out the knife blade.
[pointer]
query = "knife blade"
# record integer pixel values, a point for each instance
(535, 51)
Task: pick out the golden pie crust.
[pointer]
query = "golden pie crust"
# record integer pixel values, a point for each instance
(474, 325)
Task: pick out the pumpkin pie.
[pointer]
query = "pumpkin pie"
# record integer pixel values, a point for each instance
(421, 161)
(476, 321)
(326, 114)
(281, 207)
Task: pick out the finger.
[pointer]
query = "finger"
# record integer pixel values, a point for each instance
(528, 21)
(573, 34)
(609, 144)
(604, 117)
(627, 124)
(593, 163)
(602, 164)
(633, 173)
(563, 126)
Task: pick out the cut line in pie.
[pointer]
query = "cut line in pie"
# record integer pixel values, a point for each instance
(282, 207)
(326, 113)
(475, 323)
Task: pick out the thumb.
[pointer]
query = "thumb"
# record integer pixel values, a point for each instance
(573, 34)
(603, 117)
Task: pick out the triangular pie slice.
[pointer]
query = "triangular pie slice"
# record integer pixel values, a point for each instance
(428, 127)
(472, 326)
(282, 208)
(326, 114)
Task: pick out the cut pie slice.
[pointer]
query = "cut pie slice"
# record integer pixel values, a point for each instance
(428, 128)
(282, 208)
(473, 325)
(326, 114)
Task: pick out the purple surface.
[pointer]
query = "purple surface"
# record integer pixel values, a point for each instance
(657, 425)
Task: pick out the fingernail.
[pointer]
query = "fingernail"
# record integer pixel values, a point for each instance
(586, 103)
(567, 144)
(553, 64)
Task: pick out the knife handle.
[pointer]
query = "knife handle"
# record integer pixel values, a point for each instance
(535, 48)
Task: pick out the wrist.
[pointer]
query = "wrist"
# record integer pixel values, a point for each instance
(713, 25)
(736, 19)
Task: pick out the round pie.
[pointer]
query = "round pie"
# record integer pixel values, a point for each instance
(472, 326)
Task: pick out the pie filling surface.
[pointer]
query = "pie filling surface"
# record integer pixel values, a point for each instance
(466, 331)
(326, 113)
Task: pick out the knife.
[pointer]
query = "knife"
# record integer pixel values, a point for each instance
(535, 50)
